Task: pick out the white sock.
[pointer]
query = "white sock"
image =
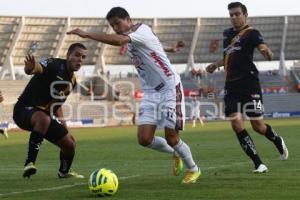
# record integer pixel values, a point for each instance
(194, 123)
(160, 144)
(186, 155)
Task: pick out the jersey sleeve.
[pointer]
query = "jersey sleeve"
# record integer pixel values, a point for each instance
(256, 38)
(48, 65)
(141, 35)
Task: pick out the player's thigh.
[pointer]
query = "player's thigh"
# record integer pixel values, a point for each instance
(197, 116)
(193, 114)
(172, 136)
(172, 109)
(22, 116)
(146, 133)
(233, 104)
(253, 105)
(148, 112)
(40, 121)
(56, 131)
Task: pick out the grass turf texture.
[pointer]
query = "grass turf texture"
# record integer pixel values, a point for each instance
(146, 174)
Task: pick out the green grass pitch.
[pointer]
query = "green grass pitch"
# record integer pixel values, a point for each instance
(146, 174)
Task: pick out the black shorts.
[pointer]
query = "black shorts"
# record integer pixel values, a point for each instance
(247, 100)
(22, 116)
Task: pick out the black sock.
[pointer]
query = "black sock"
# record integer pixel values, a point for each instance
(274, 137)
(1, 131)
(248, 146)
(34, 144)
(65, 162)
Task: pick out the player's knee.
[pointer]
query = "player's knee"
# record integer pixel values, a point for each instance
(56, 132)
(172, 136)
(69, 147)
(41, 122)
(237, 127)
(72, 144)
(72, 138)
(144, 141)
(144, 138)
(67, 144)
(172, 141)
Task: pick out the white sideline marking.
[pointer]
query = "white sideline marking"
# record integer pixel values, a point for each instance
(58, 187)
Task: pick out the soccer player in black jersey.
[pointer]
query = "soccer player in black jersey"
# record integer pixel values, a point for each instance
(39, 110)
(243, 95)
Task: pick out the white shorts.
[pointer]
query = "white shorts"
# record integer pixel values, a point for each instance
(165, 109)
(195, 114)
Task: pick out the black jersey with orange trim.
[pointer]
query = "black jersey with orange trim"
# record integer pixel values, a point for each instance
(53, 85)
(238, 53)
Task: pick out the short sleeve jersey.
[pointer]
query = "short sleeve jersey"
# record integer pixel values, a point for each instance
(148, 56)
(238, 52)
(53, 85)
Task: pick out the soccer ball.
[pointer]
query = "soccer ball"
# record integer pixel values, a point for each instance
(103, 182)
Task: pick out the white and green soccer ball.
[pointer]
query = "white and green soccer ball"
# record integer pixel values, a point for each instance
(103, 182)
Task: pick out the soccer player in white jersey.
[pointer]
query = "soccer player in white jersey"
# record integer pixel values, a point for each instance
(163, 101)
(195, 112)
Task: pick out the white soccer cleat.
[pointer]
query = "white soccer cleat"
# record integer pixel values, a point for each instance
(285, 154)
(70, 174)
(261, 169)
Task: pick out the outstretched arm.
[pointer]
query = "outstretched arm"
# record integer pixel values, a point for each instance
(32, 67)
(112, 39)
(265, 51)
(213, 66)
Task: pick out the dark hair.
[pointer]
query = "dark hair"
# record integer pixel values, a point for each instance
(117, 12)
(74, 46)
(236, 5)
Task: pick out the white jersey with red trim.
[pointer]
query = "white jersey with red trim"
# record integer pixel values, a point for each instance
(195, 111)
(148, 56)
(196, 105)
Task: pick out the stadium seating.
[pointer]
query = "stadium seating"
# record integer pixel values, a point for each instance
(8, 26)
(12, 90)
(292, 39)
(282, 103)
(46, 37)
